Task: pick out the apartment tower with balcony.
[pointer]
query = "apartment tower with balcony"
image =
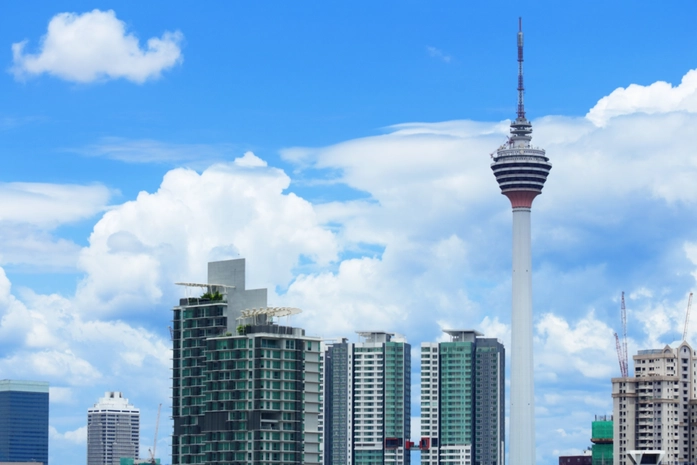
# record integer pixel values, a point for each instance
(245, 390)
(656, 409)
(462, 400)
(367, 401)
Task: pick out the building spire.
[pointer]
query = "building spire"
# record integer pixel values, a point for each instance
(521, 127)
(521, 87)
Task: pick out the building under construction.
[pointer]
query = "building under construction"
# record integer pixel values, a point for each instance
(602, 440)
(655, 409)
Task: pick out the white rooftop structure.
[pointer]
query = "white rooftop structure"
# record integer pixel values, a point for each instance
(113, 401)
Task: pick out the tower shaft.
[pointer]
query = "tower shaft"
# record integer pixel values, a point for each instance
(522, 414)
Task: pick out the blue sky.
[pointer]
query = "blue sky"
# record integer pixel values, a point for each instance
(343, 150)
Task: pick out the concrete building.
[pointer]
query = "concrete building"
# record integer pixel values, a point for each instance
(245, 389)
(655, 410)
(463, 400)
(367, 401)
(23, 421)
(585, 459)
(335, 379)
(113, 430)
(521, 171)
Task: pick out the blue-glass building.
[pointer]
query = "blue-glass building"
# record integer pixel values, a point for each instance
(23, 421)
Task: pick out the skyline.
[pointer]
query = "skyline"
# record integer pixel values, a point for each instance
(353, 174)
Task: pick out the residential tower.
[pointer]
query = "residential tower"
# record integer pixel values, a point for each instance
(462, 400)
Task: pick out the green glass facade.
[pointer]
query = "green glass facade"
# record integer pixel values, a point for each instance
(195, 320)
(368, 401)
(397, 393)
(132, 461)
(456, 393)
(245, 391)
(261, 399)
(462, 400)
(244, 399)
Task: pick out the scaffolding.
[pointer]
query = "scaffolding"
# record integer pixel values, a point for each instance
(601, 437)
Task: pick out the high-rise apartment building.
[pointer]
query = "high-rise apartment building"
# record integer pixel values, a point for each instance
(113, 430)
(367, 401)
(245, 389)
(656, 409)
(23, 421)
(462, 400)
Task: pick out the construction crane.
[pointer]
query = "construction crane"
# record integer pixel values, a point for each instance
(687, 316)
(622, 345)
(620, 358)
(153, 451)
(625, 357)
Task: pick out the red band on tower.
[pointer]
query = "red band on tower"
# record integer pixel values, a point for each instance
(521, 199)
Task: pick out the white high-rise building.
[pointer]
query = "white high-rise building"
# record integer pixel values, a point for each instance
(521, 171)
(656, 408)
(113, 430)
(462, 400)
(367, 401)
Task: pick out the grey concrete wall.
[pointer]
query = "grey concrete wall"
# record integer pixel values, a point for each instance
(232, 273)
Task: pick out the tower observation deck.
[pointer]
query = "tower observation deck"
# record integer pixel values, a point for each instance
(521, 171)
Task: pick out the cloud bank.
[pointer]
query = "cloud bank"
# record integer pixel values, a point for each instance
(659, 97)
(96, 46)
(31, 212)
(426, 246)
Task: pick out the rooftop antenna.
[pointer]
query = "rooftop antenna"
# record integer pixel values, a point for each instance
(521, 87)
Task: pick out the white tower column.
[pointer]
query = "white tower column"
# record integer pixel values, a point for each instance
(522, 419)
(521, 171)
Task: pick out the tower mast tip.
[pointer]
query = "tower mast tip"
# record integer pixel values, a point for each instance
(521, 87)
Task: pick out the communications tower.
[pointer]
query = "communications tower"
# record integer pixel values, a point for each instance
(521, 171)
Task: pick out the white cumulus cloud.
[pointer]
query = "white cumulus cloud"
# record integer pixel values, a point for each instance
(76, 437)
(138, 249)
(659, 97)
(586, 348)
(96, 46)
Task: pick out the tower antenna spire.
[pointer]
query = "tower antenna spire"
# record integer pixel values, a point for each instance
(521, 87)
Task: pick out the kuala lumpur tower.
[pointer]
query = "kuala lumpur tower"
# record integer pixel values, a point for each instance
(521, 171)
